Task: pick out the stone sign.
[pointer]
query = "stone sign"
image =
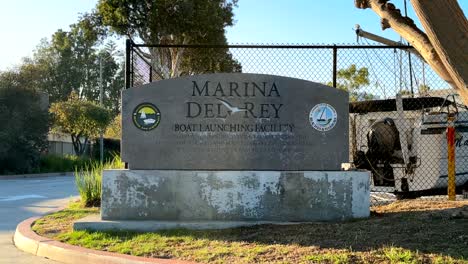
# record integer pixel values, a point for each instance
(234, 121)
(226, 150)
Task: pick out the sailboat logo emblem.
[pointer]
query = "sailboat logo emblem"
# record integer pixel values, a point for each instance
(146, 116)
(323, 117)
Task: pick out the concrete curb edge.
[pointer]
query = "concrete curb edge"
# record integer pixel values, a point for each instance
(27, 240)
(37, 175)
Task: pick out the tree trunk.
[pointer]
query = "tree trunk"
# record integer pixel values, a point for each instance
(447, 29)
(160, 62)
(76, 144)
(78, 147)
(176, 54)
(444, 48)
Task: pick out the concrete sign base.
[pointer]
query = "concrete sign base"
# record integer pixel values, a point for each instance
(292, 196)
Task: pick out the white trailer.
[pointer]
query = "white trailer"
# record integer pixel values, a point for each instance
(403, 143)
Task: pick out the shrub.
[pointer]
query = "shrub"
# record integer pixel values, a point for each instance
(23, 128)
(88, 180)
(111, 148)
(56, 163)
(114, 129)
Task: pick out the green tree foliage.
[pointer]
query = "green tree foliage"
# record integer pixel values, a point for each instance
(175, 22)
(114, 130)
(351, 79)
(112, 76)
(424, 89)
(23, 125)
(69, 62)
(81, 119)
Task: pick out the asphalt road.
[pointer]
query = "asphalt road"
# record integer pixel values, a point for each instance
(23, 198)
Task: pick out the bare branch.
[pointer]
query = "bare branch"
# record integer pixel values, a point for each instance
(405, 27)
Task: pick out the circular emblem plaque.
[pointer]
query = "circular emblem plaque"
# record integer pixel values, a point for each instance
(146, 116)
(323, 117)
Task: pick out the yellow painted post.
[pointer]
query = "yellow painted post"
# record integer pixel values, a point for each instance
(451, 157)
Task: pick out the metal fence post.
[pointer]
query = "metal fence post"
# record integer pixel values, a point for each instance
(151, 74)
(101, 103)
(335, 51)
(128, 50)
(451, 157)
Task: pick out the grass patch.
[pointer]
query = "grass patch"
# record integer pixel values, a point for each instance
(61, 222)
(403, 232)
(338, 258)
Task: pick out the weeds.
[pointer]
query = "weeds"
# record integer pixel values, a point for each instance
(399, 255)
(88, 180)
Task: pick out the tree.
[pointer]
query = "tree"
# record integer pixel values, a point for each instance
(114, 130)
(69, 62)
(113, 76)
(23, 125)
(82, 119)
(175, 22)
(351, 80)
(444, 44)
(56, 68)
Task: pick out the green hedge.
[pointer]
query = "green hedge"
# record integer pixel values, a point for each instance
(56, 163)
(111, 149)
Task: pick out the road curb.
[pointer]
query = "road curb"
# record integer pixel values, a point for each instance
(36, 175)
(27, 240)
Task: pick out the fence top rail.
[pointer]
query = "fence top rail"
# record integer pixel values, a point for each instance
(273, 46)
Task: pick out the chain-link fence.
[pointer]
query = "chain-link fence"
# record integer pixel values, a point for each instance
(401, 139)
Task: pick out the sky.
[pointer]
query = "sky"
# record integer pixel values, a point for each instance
(25, 22)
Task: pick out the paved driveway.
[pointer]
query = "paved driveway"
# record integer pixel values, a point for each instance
(23, 198)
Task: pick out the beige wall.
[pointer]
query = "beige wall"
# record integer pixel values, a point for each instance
(60, 144)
